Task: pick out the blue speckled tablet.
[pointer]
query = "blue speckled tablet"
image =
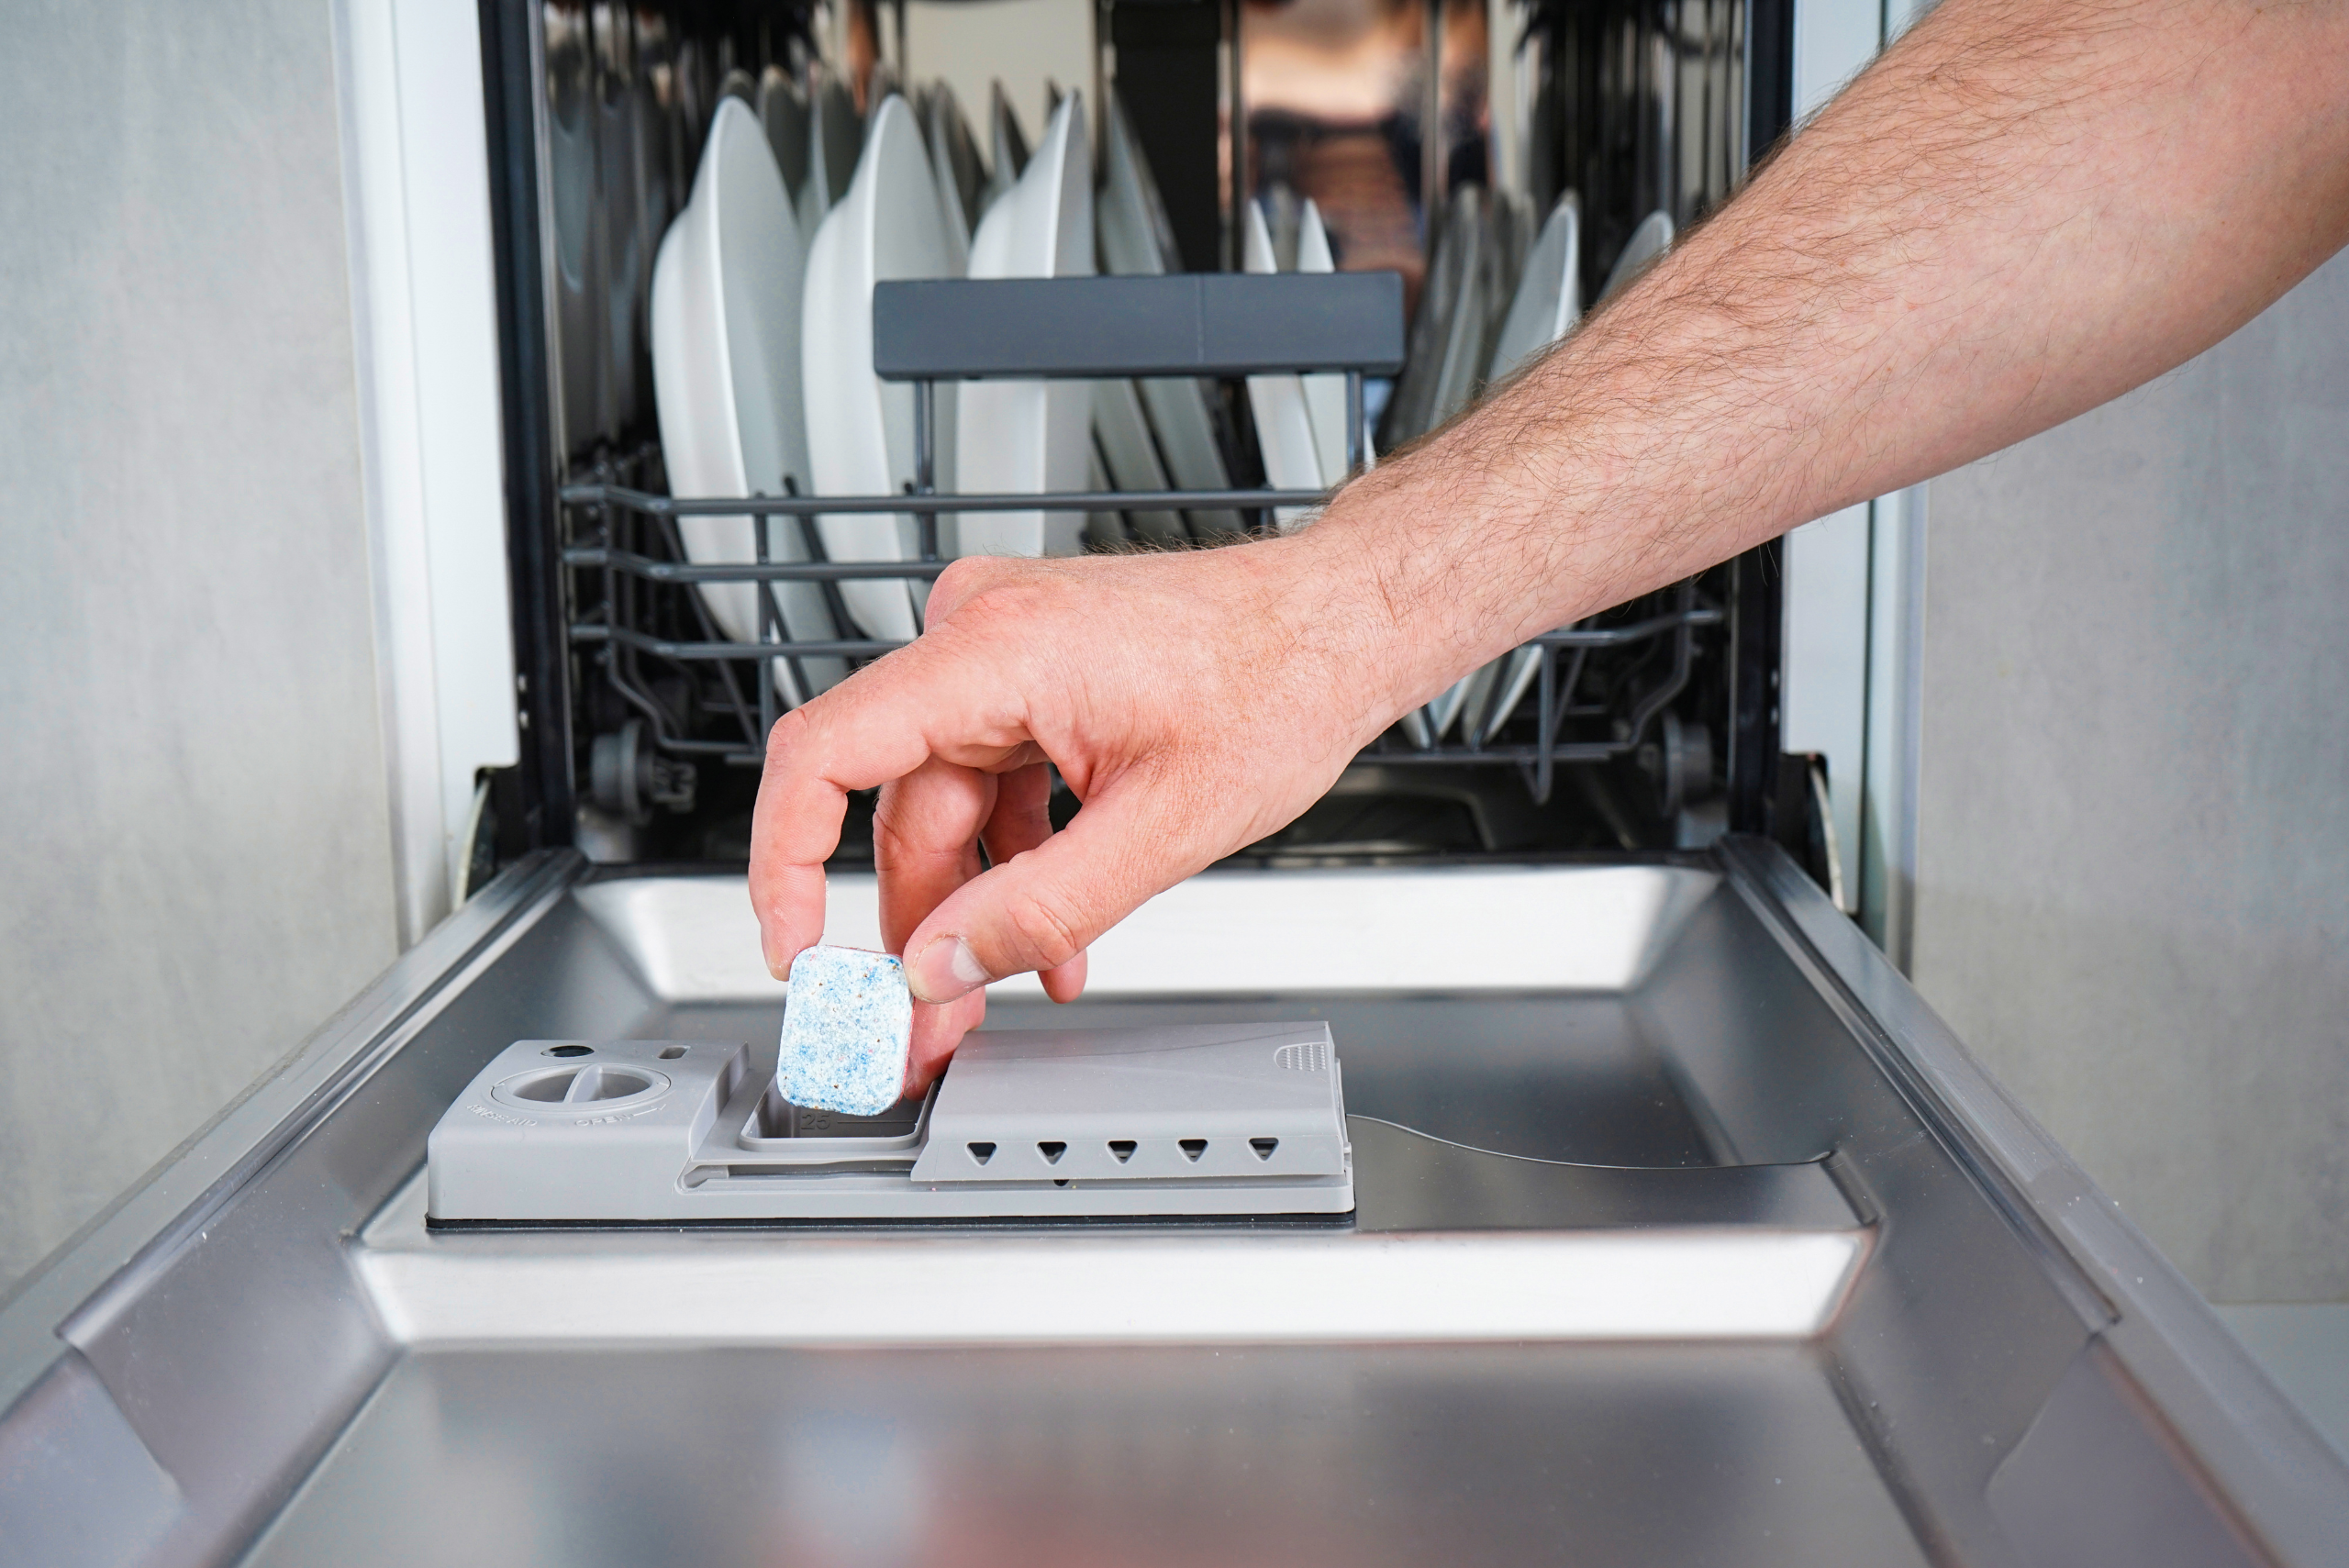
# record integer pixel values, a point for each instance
(846, 1029)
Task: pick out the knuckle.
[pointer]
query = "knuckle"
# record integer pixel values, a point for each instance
(961, 578)
(897, 835)
(1047, 933)
(966, 580)
(986, 593)
(790, 735)
(889, 827)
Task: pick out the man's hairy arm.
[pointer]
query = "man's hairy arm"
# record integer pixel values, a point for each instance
(2025, 208)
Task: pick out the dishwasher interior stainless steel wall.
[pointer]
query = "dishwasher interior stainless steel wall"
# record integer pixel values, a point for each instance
(219, 1334)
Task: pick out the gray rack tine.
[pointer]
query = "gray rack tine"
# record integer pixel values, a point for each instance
(926, 463)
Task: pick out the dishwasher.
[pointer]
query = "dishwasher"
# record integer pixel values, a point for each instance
(1654, 1218)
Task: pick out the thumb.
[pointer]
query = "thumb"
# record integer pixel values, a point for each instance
(1042, 908)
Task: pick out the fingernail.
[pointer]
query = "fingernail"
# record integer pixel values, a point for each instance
(944, 970)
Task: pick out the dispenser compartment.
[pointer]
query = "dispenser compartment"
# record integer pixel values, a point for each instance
(1190, 1121)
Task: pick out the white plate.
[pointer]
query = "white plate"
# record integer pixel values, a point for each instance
(1548, 302)
(1138, 239)
(1007, 149)
(956, 151)
(836, 140)
(859, 430)
(782, 110)
(1131, 461)
(1325, 395)
(955, 160)
(1023, 436)
(726, 379)
(1476, 694)
(1511, 232)
(1283, 218)
(1652, 239)
(1439, 713)
(1106, 529)
(1464, 357)
(1514, 677)
(1460, 344)
(1283, 430)
(1648, 240)
(1549, 291)
(1407, 409)
(950, 217)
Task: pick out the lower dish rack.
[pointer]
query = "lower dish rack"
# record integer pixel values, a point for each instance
(671, 690)
(1596, 688)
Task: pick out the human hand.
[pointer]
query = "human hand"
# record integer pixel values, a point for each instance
(1193, 702)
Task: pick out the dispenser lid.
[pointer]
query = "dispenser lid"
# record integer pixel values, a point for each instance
(1215, 1102)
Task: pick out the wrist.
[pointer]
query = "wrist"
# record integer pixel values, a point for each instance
(1356, 607)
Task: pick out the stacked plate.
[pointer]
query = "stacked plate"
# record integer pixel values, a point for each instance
(1490, 305)
(1137, 239)
(1023, 436)
(726, 369)
(1300, 419)
(761, 305)
(1548, 302)
(860, 431)
(762, 346)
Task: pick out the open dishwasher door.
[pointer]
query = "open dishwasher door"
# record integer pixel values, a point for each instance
(1685, 1234)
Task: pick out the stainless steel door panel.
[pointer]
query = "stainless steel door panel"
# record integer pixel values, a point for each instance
(2006, 1325)
(232, 1337)
(1960, 1327)
(1687, 1455)
(2156, 1343)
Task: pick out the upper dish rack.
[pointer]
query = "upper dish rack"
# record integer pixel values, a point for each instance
(1598, 688)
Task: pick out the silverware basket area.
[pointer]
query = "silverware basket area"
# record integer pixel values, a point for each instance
(1600, 686)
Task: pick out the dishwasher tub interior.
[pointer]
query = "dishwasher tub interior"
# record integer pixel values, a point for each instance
(1770, 1274)
(1654, 725)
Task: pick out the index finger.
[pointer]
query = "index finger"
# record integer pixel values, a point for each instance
(880, 724)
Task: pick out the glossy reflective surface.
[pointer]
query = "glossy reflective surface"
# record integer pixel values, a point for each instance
(2008, 1377)
(1593, 1455)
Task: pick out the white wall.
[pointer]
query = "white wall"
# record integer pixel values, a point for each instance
(2132, 896)
(196, 865)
